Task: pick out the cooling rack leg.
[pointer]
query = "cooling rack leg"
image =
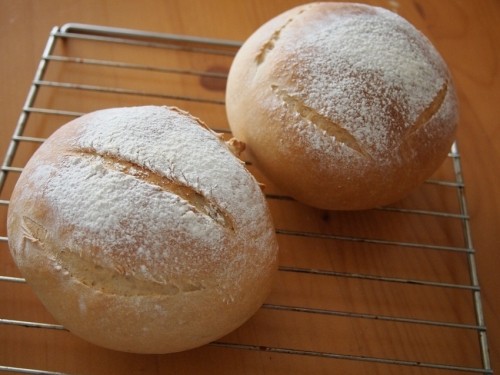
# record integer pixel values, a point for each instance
(483, 341)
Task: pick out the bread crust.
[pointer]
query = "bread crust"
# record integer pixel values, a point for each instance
(140, 231)
(343, 106)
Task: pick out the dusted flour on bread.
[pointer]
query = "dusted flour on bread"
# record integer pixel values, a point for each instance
(97, 198)
(344, 106)
(143, 214)
(359, 72)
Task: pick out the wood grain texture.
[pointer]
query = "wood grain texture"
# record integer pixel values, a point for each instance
(467, 34)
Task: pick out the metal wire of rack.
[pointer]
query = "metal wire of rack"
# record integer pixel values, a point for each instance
(199, 70)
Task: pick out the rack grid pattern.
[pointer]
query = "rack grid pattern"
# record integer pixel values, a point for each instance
(199, 66)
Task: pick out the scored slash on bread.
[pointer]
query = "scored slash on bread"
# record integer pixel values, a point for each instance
(269, 44)
(342, 135)
(117, 281)
(426, 115)
(322, 122)
(197, 200)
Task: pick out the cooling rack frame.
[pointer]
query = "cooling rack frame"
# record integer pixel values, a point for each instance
(117, 36)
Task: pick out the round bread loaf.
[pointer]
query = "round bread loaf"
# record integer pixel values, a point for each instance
(140, 231)
(343, 106)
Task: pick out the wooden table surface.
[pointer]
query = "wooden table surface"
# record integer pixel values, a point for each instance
(466, 32)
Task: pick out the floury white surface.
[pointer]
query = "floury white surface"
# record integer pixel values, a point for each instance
(344, 106)
(140, 231)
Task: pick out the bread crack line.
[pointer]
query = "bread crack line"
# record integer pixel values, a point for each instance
(270, 43)
(196, 200)
(429, 111)
(321, 122)
(116, 280)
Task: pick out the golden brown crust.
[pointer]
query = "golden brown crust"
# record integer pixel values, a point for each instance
(344, 106)
(140, 231)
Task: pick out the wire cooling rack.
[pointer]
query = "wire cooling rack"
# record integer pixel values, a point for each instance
(390, 290)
